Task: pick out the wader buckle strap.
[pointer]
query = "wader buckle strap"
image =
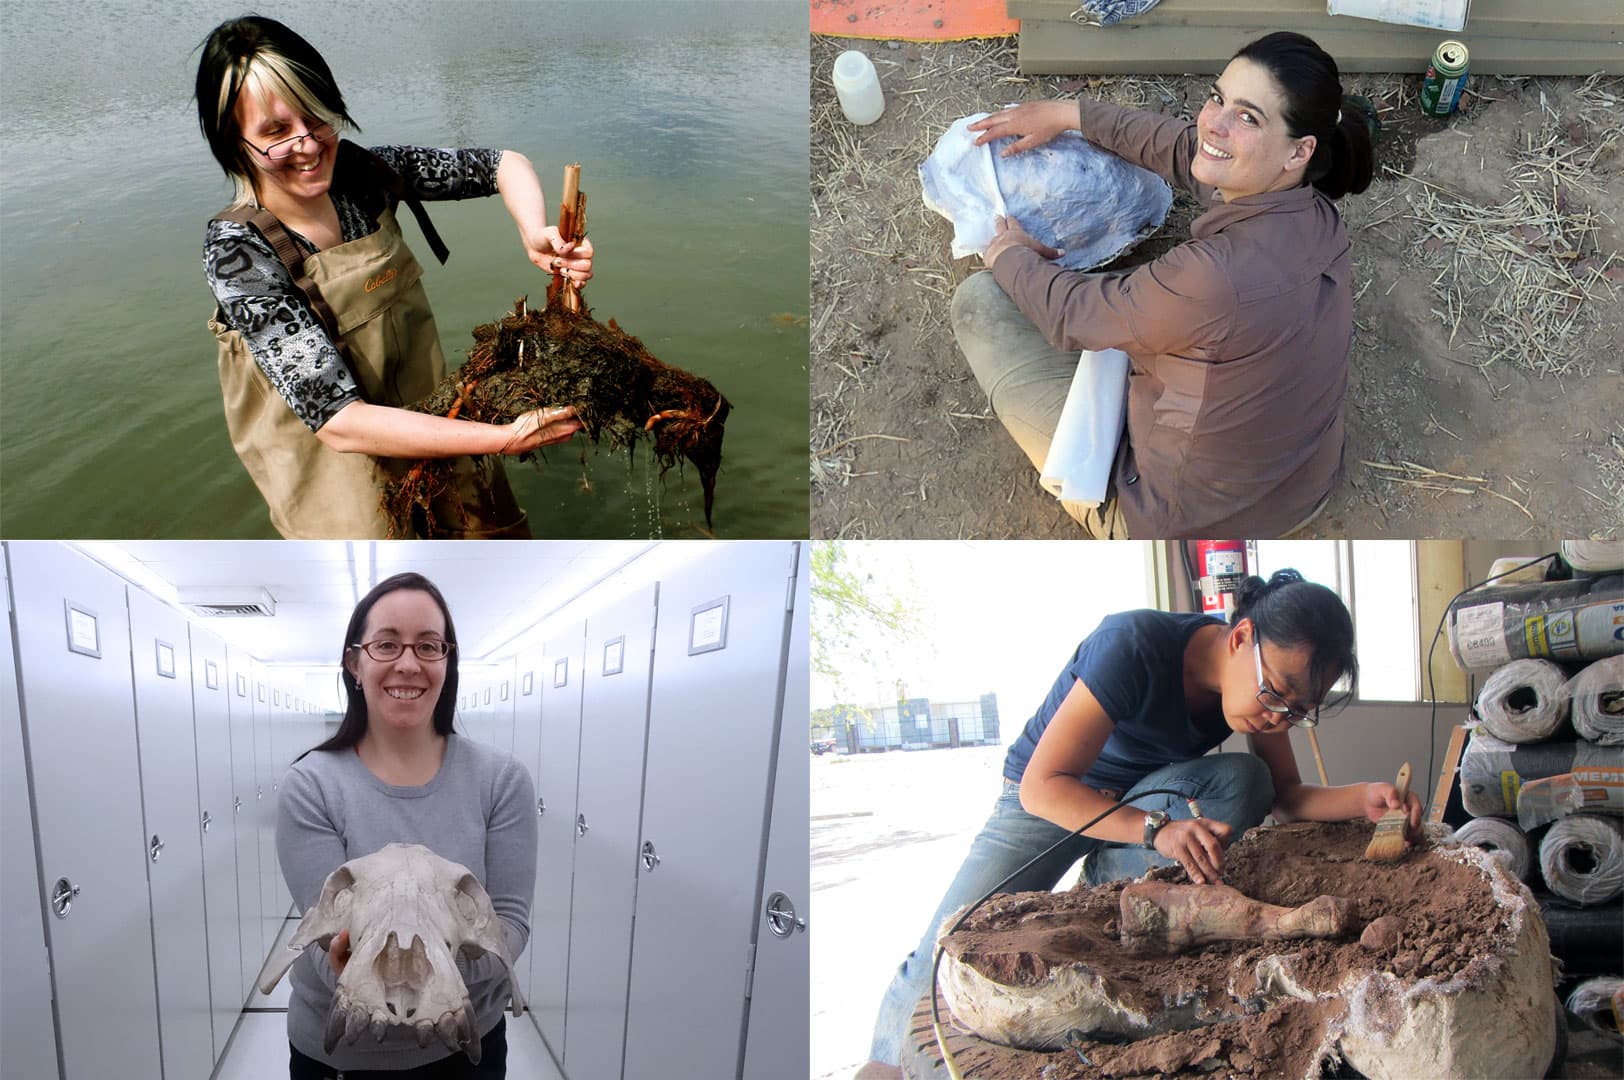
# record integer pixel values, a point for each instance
(384, 176)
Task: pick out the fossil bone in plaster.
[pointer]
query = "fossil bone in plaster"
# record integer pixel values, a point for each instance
(408, 912)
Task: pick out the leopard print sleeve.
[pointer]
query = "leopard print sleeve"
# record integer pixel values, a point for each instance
(258, 299)
(436, 175)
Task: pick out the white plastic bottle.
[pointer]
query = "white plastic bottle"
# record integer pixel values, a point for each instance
(857, 85)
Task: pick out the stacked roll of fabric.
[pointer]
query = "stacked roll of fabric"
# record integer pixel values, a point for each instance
(1547, 749)
(1596, 697)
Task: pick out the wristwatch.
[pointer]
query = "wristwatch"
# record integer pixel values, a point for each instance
(1154, 820)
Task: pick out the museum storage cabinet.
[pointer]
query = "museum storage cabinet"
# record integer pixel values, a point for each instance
(660, 715)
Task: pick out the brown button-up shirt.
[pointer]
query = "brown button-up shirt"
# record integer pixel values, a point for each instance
(1239, 342)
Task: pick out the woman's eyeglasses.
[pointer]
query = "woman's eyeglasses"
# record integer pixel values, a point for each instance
(385, 650)
(281, 151)
(1274, 702)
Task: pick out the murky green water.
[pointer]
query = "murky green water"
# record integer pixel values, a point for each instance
(689, 118)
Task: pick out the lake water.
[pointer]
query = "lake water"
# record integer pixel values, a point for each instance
(689, 119)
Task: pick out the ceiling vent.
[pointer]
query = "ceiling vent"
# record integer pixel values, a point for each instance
(212, 603)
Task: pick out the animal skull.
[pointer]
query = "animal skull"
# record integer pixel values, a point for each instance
(408, 911)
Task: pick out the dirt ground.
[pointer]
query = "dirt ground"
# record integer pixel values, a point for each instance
(1485, 398)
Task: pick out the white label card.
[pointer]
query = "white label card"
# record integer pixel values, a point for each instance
(707, 628)
(82, 632)
(1480, 635)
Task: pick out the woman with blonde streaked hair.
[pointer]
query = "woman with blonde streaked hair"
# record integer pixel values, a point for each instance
(323, 326)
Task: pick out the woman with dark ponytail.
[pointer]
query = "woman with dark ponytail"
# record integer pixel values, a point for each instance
(1138, 706)
(1238, 338)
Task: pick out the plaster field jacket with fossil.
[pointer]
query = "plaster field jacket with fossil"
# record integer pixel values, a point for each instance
(1239, 342)
(479, 810)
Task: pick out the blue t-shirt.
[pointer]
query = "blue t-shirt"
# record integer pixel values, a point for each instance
(1134, 666)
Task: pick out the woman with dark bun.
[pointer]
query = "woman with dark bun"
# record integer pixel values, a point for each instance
(1238, 338)
(1141, 701)
(323, 327)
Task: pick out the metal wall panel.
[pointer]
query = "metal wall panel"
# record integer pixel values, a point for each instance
(244, 813)
(270, 918)
(614, 724)
(777, 1039)
(79, 721)
(559, 685)
(161, 662)
(211, 683)
(27, 1030)
(713, 724)
(526, 695)
(289, 739)
(502, 710)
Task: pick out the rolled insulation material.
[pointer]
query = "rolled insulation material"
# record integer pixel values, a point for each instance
(1570, 621)
(1495, 775)
(1582, 859)
(1524, 701)
(1594, 556)
(1500, 838)
(1597, 696)
(1600, 1004)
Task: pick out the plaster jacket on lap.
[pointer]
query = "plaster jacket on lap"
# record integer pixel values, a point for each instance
(408, 912)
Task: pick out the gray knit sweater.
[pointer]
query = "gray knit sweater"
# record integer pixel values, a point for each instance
(478, 811)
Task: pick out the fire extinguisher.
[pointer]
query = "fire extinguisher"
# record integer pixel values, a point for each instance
(1221, 565)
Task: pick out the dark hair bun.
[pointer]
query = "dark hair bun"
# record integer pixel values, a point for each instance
(1283, 577)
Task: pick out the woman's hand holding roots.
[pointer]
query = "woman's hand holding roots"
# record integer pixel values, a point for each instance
(1196, 844)
(541, 427)
(1031, 124)
(548, 249)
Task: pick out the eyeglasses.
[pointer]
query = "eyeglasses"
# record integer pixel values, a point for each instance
(281, 151)
(1274, 702)
(385, 650)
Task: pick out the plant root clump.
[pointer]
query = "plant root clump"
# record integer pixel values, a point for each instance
(531, 359)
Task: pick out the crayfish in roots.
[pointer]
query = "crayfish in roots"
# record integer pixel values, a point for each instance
(530, 359)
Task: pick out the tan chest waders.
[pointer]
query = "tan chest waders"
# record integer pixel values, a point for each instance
(376, 308)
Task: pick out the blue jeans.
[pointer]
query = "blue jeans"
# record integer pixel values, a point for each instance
(1235, 788)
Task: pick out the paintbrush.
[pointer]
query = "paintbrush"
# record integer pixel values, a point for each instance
(1388, 843)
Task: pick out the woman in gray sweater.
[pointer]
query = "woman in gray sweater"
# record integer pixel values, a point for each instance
(396, 772)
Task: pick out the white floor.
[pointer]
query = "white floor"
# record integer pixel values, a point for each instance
(259, 1047)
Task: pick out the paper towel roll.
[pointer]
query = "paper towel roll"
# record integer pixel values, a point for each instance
(1078, 467)
(1499, 837)
(1597, 695)
(1582, 859)
(1523, 701)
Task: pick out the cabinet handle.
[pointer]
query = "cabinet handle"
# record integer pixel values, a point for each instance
(541, 807)
(650, 859)
(62, 897)
(206, 820)
(155, 848)
(236, 804)
(580, 824)
(781, 919)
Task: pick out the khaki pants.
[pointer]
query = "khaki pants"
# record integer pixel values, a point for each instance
(1026, 380)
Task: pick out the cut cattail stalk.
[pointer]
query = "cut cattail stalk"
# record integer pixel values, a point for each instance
(1388, 843)
(571, 226)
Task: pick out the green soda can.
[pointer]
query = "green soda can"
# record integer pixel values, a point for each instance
(1445, 79)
